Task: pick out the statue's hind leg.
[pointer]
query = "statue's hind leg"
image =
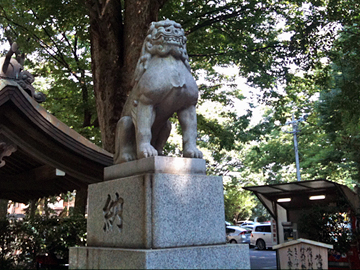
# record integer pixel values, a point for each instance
(160, 136)
(188, 122)
(125, 145)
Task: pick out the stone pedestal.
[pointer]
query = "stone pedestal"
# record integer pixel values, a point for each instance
(158, 212)
(200, 257)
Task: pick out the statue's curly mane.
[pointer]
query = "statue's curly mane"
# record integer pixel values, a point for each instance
(148, 50)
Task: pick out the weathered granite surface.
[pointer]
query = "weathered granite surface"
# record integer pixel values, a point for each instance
(157, 164)
(157, 211)
(162, 85)
(201, 257)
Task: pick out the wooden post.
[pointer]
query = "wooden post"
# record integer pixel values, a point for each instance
(3, 208)
(80, 201)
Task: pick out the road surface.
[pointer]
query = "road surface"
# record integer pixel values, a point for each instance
(262, 259)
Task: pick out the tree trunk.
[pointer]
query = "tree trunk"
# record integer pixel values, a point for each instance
(115, 48)
(3, 208)
(106, 33)
(32, 206)
(80, 201)
(138, 16)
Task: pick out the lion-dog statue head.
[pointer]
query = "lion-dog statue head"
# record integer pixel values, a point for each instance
(162, 85)
(12, 69)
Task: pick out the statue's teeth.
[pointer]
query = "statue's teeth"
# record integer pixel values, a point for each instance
(172, 39)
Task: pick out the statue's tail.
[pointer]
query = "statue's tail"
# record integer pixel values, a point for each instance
(13, 50)
(7, 61)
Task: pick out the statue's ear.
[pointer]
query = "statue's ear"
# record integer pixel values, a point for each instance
(20, 58)
(15, 48)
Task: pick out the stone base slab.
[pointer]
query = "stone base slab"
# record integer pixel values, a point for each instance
(156, 211)
(228, 256)
(157, 164)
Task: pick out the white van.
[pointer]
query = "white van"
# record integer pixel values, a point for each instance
(261, 236)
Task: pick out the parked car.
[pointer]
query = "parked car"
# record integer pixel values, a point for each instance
(244, 222)
(227, 223)
(261, 236)
(247, 223)
(248, 227)
(236, 234)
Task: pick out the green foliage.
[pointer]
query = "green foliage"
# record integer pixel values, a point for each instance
(232, 32)
(264, 39)
(260, 212)
(55, 36)
(7, 237)
(338, 114)
(26, 242)
(238, 203)
(327, 225)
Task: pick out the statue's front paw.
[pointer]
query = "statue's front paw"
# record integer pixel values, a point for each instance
(129, 156)
(146, 150)
(124, 157)
(193, 153)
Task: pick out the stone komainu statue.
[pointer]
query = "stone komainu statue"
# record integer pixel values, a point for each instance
(162, 85)
(11, 68)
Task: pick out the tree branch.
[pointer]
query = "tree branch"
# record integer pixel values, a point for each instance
(212, 21)
(161, 3)
(58, 52)
(237, 52)
(209, 13)
(42, 44)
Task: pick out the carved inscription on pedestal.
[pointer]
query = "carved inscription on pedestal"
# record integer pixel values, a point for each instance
(113, 210)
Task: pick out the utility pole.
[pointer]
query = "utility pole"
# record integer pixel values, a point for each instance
(295, 131)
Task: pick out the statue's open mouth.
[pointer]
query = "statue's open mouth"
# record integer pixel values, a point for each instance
(171, 40)
(177, 40)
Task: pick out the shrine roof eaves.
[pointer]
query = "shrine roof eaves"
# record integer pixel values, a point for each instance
(38, 144)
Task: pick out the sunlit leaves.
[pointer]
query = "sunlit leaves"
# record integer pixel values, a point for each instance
(56, 35)
(238, 203)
